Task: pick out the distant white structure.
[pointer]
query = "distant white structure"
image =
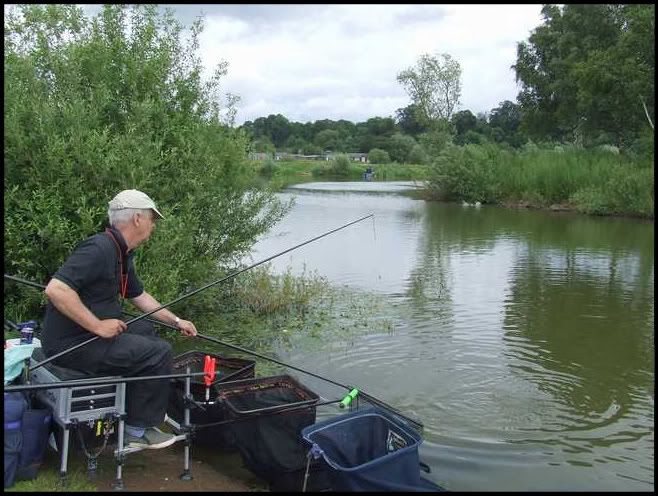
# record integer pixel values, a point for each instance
(259, 156)
(355, 156)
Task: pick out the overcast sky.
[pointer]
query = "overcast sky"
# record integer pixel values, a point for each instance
(311, 62)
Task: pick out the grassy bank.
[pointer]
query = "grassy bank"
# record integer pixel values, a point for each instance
(588, 181)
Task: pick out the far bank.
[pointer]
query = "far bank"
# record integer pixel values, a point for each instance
(588, 181)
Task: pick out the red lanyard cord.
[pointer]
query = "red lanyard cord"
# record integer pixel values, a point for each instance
(123, 278)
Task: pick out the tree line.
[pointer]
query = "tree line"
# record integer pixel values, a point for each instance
(400, 137)
(586, 76)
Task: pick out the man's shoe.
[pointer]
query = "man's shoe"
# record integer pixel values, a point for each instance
(153, 438)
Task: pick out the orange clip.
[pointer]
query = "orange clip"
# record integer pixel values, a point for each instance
(209, 370)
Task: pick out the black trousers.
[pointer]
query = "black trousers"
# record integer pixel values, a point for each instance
(136, 352)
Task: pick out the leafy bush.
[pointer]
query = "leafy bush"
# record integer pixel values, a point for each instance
(320, 170)
(592, 181)
(378, 156)
(626, 191)
(95, 107)
(466, 173)
(418, 155)
(400, 146)
(631, 191)
(437, 138)
(263, 145)
(268, 168)
(340, 166)
(474, 138)
(642, 147)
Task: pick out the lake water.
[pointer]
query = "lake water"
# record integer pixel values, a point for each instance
(524, 340)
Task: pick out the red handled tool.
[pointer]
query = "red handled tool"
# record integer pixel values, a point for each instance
(209, 373)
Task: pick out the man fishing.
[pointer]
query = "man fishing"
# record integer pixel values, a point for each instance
(84, 299)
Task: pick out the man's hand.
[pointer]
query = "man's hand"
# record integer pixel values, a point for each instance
(187, 328)
(110, 328)
(67, 301)
(146, 303)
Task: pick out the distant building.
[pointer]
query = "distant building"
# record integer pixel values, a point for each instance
(355, 156)
(259, 156)
(296, 156)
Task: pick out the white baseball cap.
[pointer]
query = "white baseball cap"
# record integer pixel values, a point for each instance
(132, 198)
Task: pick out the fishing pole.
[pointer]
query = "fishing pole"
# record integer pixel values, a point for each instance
(192, 293)
(252, 416)
(12, 325)
(97, 381)
(24, 281)
(353, 392)
(207, 338)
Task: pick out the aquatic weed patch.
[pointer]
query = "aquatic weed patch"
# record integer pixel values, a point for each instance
(269, 312)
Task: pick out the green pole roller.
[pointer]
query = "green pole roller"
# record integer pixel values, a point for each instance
(348, 399)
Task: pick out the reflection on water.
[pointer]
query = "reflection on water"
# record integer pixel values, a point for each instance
(524, 340)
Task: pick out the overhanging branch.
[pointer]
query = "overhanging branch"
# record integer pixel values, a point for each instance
(646, 112)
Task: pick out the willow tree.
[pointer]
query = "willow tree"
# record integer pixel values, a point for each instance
(434, 86)
(97, 105)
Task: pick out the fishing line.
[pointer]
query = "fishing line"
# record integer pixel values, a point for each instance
(374, 237)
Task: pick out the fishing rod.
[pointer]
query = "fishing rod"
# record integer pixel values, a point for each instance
(207, 338)
(12, 325)
(97, 381)
(192, 293)
(353, 392)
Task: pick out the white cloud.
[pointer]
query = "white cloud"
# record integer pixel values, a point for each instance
(311, 62)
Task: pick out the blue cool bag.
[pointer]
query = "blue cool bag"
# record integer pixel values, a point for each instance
(36, 430)
(15, 407)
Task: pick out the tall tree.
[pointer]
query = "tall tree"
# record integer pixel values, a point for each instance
(399, 147)
(328, 139)
(275, 127)
(434, 86)
(586, 70)
(95, 106)
(407, 120)
(504, 123)
(464, 121)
